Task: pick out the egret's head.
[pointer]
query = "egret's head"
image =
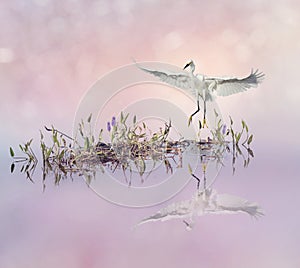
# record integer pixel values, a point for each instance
(190, 65)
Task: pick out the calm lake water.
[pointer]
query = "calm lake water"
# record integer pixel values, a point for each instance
(70, 226)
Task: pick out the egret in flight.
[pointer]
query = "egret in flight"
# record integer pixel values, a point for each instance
(205, 87)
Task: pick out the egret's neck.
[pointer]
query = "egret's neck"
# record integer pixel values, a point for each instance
(200, 77)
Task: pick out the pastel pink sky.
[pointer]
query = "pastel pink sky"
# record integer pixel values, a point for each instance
(51, 52)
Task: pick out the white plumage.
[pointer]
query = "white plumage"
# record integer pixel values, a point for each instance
(205, 87)
(205, 202)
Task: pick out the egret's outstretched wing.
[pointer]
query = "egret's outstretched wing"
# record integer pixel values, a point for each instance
(184, 209)
(234, 204)
(206, 202)
(229, 86)
(174, 211)
(180, 80)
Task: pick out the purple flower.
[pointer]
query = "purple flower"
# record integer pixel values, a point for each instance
(108, 126)
(113, 121)
(224, 127)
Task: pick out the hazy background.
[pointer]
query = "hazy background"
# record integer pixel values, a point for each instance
(52, 51)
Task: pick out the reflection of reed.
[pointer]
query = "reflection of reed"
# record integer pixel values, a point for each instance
(63, 161)
(133, 147)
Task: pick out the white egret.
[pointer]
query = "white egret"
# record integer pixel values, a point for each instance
(205, 87)
(205, 202)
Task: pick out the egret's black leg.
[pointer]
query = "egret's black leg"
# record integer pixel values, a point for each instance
(198, 109)
(204, 113)
(198, 184)
(204, 180)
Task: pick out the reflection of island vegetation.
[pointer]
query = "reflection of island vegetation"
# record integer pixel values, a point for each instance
(132, 146)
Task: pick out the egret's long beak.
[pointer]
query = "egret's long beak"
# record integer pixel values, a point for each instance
(187, 65)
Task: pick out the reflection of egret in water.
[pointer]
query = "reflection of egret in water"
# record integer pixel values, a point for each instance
(205, 87)
(206, 201)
